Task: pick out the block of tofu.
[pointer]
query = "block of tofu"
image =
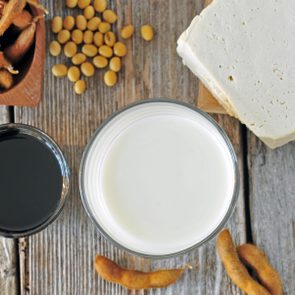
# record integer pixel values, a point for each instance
(244, 53)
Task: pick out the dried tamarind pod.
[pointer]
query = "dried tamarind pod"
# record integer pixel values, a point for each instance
(256, 259)
(234, 267)
(11, 10)
(23, 20)
(22, 44)
(6, 79)
(5, 64)
(135, 280)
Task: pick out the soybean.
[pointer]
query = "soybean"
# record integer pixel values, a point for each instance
(93, 23)
(56, 24)
(89, 50)
(127, 31)
(81, 22)
(115, 64)
(54, 48)
(69, 23)
(63, 36)
(70, 49)
(110, 39)
(98, 39)
(110, 16)
(77, 36)
(79, 58)
(110, 78)
(120, 49)
(83, 3)
(59, 70)
(74, 74)
(100, 61)
(147, 32)
(89, 12)
(88, 37)
(100, 5)
(105, 51)
(71, 3)
(87, 69)
(80, 86)
(104, 27)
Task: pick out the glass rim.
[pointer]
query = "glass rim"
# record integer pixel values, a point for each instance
(65, 173)
(234, 196)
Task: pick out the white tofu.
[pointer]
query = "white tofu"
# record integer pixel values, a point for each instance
(244, 52)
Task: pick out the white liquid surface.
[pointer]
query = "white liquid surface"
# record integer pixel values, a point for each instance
(159, 178)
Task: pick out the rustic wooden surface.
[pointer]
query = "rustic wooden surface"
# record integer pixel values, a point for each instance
(59, 260)
(272, 205)
(207, 103)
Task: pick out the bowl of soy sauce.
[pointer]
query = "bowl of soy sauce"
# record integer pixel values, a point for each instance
(34, 180)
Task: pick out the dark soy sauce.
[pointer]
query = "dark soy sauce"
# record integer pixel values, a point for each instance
(30, 182)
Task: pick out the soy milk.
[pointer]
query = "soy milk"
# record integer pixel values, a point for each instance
(158, 178)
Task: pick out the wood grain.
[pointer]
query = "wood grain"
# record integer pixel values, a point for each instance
(272, 205)
(28, 91)
(207, 102)
(59, 260)
(8, 261)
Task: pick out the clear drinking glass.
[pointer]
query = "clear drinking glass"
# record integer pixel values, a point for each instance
(90, 212)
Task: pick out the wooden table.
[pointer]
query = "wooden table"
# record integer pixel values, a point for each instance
(59, 260)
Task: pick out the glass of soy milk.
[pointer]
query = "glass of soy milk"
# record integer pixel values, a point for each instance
(159, 178)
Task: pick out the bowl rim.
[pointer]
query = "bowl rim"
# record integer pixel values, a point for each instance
(65, 172)
(230, 209)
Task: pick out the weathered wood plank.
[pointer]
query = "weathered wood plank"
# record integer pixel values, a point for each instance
(272, 205)
(8, 261)
(60, 259)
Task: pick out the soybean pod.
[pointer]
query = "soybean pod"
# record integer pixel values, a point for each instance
(256, 259)
(11, 10)
(21, 46)
(133, 279)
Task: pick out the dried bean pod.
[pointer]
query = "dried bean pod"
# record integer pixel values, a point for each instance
(37, 5)
(133, 279)
(234, 267)
(23, 20)
(11, 10)
(6, 79)
(256, 259)
(5, 64)
(23, 43)
(2, 4)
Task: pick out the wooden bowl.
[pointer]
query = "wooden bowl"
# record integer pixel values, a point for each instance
(29, 85)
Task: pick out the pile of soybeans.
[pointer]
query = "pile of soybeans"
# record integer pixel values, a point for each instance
(89, 42)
